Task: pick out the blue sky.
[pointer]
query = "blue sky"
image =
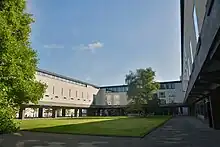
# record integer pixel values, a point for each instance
(99, 41)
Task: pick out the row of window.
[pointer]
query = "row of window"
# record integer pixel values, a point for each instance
(162, 95)
(70, 92)
(65, 98)
(61, 79)
(117, 89)
(167, 86)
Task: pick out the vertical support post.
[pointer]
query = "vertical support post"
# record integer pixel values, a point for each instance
(63, 112)
(80, 112)
(75, 112)
(215, 108)
(54, 113)
(40, 112)
(21, 113)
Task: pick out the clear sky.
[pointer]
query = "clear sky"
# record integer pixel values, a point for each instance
(99, 41)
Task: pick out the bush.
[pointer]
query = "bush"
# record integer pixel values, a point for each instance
(8, 123)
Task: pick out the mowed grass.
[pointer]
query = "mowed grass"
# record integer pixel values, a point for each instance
(112, 126)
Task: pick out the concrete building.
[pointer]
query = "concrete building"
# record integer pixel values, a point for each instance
(170, 92)
(200, 54)
(66, 96)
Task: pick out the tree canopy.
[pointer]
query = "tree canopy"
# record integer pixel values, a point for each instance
(18, 61)
(141, 87)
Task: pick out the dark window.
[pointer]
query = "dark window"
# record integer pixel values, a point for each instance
(161, 94)
(84, 100)
(167, 86)
(62, 91)
(78, 99)
(46, 95)
(72, 98)
(64, 97)
(172, 86)
(56, 96)
(69, 92)
(53, 89)
(162, 86)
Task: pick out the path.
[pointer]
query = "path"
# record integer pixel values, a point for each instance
(178, 132)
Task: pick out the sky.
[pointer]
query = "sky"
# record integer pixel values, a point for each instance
(100, 41)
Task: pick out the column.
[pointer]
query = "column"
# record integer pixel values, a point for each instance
(98, 112)
(54, 113)
(209, 114)
(63, 112)
(21, 113)
(80, 112)
(215, 108)
(40, 112)
(75, 112)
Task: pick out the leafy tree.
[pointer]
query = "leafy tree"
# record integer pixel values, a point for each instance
(18, 61)
(141, 87)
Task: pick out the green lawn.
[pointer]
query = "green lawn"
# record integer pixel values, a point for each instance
(117, 126)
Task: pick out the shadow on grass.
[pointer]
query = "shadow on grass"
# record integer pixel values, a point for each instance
(118, 127)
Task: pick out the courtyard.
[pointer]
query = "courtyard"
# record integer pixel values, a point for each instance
(106, 126)
(180, 131)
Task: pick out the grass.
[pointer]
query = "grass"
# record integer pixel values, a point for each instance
(110, 126)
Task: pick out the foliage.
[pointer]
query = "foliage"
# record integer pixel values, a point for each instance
(18, 61)
(141, 87)
(8, 123)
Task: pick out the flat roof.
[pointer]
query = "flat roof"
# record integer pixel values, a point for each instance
(65, 77)
(125, 85)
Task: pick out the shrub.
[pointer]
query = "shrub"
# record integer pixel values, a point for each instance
(8, 123)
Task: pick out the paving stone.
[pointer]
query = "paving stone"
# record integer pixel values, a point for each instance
(178, 132)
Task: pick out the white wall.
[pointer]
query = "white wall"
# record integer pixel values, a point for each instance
(73, 94)
(172, 95)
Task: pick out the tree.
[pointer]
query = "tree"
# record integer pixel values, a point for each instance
(141, 87)
(18, 61)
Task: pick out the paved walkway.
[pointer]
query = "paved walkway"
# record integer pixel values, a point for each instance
(178, 132)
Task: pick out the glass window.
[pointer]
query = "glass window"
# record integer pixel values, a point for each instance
(195, 20)
(191, 52)
(162, 94)
(162, 86)
(167, 86)
(69, 92)
(62, 91)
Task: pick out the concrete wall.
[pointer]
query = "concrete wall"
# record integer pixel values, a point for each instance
(172, 95)
(190, 35)
(111, 98)
(65, 93)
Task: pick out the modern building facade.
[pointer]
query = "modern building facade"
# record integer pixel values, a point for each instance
(66, 96)
(200, 54)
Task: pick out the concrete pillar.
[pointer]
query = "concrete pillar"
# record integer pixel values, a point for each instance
(21, 113)
(80, 112)
(63, 112)
(215, 108)
(75, 112)
(40, 112)
(54, 113)
(98, 112)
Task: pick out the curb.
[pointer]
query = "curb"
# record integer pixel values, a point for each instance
(155, 128)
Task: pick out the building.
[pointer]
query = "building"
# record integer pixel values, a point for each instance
(170, 92)
(200, 55)
(66, 96)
